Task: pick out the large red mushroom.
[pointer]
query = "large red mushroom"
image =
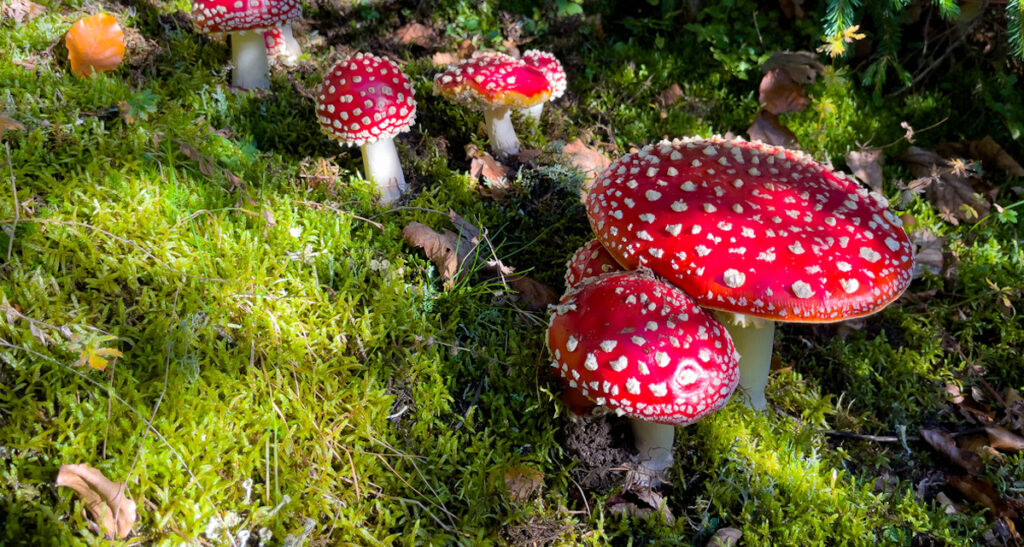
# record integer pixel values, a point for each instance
(245, 21)
(495, 83)
(636, 345)
(366, 101)
(759, 232)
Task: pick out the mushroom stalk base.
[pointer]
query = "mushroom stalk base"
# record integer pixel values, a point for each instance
(249, 55)
(654, 445)
(753, 339)
(503, 137)
(534, 111)
(381, 166)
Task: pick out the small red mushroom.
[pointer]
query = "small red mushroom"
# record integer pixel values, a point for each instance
(365, 101)
(245, 21)
(632, 343)
(495, 83)
(590, 260)
(553, 71)
(759, 232)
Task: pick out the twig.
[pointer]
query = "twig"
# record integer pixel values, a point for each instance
(116, 238)
(863, 437)
(317, 205)
(17, 212)
(211, 211)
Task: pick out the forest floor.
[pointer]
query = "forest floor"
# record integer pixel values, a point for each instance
(202, 299)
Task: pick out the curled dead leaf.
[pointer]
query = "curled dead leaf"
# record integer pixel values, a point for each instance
(495, 175)
(944, 444)
(95, 44)
(670, 95)
(866, 165)
(803, 67)
(725, 537)
(779, 93)
(9, 124)
(928, 255)
(1003, 439)
(521, 482)
(20, 11)
(981, 491)
(440, 249)
(767, 128)
(416, 34)
(589, 161)
(533, 294)
(106, 500)
(952, 192)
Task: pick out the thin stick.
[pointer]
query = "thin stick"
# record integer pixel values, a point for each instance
(873, 438)
(317, 205)
(17, 207)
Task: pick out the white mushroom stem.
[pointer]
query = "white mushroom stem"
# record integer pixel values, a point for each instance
(654, 445)
(382, 167)
(504, 141)
(753, 338)
(249, 55)
(534, 111)
(292, 49)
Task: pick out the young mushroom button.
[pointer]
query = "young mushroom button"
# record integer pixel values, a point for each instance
(590, 260)
(365, 101)
(759, 232)
(495, 83)
(637, 345)
(245, 21)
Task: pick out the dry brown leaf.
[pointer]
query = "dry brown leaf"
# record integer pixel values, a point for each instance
(944, 444)
(725, 537)
(802, 67)
(779, 93)
(952, 193)
(528, 155)
(521, 482)
(107, 501)
(670, 95)
(9, 124)
(866, 165)
(416, 34)
(440, 249)
(444, 59)
(648, 502)
(533, 294)
(792, 9)
(767, 128)
(928, 256)
(587, 160)
(981, 491)
(988, 151)
(1004, 439)
(495, 174)
(20, 11)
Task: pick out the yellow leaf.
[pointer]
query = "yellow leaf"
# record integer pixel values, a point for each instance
(107, 352)
(97, 362)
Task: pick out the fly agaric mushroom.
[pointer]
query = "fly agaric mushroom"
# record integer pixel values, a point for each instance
(759, 232)
(590, 260)
(495, 83)
(637, 345)
(245, 21)
(553, 71)
(365, 101)
(282, 45)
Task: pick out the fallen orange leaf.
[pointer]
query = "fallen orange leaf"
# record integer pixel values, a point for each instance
(105, 499)
(95, 44)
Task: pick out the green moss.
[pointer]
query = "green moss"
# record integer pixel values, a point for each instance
(288, 364)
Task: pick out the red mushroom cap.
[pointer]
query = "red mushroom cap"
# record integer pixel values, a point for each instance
(364, 99)
(551, 67)
(590, 260)
(753, 229)
(234, 15)
(491, 79)
(637, 345)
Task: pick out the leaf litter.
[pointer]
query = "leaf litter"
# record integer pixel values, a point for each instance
(112, 510)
